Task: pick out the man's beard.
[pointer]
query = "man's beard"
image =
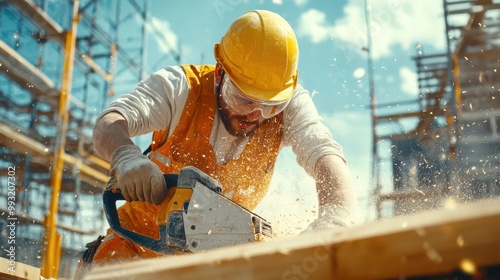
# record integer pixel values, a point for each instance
(226, 116)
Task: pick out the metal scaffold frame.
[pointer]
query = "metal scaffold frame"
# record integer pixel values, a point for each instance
(60, 67)
(449, 153)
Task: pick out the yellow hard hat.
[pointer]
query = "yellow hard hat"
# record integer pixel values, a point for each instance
(260, 54)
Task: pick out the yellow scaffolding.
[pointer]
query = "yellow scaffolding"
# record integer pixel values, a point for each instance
(52, 253)
(65, 76)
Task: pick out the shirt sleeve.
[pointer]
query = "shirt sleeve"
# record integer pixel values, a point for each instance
(306, 133)
(155, 104)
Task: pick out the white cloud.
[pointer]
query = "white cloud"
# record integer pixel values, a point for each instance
(300, 2)
(162, 32)
(351, 27)
(409, 83)
(313, 24)
(394, 24)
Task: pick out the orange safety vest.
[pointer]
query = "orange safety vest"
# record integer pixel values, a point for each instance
(248, 177)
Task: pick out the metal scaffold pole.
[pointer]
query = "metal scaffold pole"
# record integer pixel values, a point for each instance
(375, 168)
(52, 250)
(452, 118)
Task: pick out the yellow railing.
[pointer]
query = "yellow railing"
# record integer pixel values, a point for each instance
(52, 251)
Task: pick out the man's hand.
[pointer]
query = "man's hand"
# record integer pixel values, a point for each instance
(330, 217)
(138, 178)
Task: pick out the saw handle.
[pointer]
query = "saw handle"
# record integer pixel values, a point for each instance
(111, 195)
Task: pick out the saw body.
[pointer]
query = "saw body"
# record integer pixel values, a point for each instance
(194, 217)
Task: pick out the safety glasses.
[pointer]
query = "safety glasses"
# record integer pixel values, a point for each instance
(242, 104)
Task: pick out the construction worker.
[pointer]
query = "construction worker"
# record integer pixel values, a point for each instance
(230, 120)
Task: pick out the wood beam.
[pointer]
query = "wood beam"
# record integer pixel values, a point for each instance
(443, 241)
(21, 271)
(76, 162)
(27, 76)
(433, 112)
(40, 18)
(21, 143)
(25, 145)
(108, 77)
(30, 78)
(23, 219)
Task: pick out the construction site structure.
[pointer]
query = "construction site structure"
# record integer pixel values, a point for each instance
(443, 147)
(61, 62)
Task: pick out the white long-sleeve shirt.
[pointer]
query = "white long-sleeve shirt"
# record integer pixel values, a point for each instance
(157, 103)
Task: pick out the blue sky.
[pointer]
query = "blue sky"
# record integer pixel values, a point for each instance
(332, 66)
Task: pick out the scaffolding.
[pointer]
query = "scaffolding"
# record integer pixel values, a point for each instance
(445, 144)
(109, 59)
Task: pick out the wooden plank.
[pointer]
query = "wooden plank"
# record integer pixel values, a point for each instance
(430, 243)
(16, 68)
(40, 18)
(393, 117)
(24, 219)
(96, 68)
(84, 168)
(22, 144)
(16, 270)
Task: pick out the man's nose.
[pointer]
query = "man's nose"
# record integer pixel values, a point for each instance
(255, 115)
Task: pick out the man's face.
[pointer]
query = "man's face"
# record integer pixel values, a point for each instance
(238, 125)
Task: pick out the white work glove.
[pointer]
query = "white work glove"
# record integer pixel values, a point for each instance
(138, 178)
(330, 217)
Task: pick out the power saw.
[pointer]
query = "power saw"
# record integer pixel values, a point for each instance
(194, 216)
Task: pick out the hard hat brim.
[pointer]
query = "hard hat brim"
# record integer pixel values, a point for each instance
(266, 95)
